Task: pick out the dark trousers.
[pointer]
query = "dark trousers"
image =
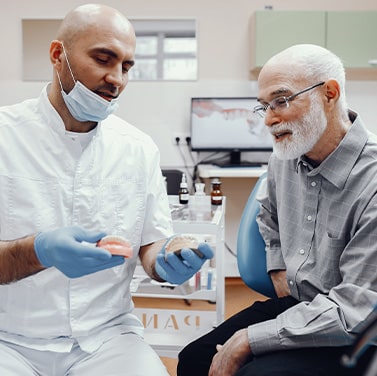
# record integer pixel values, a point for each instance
(195, 359)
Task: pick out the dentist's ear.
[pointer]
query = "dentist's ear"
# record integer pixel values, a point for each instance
(56, 51)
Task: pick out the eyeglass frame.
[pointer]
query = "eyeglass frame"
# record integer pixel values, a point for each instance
(261, 109)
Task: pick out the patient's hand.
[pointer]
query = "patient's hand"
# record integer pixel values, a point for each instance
(279, 279)
(232, 355)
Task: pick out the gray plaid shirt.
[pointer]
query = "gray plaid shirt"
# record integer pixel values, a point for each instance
(320, 225)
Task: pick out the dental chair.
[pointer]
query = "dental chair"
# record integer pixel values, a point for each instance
(251, 254)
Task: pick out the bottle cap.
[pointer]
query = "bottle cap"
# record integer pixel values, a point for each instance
(183, 181)
(216, 181)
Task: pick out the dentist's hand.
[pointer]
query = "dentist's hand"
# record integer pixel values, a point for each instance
(177, 269)
(63, 248)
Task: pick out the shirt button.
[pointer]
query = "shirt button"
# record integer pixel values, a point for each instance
(313, 183)
(291, 283)
(309, 217)
(302, 251)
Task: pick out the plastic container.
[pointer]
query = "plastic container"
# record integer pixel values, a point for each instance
(200, 203)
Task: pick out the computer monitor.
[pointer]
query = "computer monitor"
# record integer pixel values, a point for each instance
(228, 124)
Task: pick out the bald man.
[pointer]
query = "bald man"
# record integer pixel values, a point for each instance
(70, 173)
(318, 217)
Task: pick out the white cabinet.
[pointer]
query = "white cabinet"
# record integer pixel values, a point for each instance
(170, 330)
(237, 184)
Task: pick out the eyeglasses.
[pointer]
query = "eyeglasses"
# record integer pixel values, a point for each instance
(280, 103)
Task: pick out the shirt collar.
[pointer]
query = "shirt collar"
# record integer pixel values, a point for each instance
(338, 165)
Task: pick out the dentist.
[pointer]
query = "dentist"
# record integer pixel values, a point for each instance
(70, 173)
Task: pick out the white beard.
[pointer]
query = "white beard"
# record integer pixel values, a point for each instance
(305, 133)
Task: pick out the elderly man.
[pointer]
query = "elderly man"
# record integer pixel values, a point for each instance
(319, 220)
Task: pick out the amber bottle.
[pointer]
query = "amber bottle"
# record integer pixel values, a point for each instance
(216, 193)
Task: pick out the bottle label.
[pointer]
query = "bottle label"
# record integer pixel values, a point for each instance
(184, 197)
(217, 200)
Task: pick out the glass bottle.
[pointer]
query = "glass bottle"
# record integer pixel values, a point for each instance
(216, 193)
(183, 192)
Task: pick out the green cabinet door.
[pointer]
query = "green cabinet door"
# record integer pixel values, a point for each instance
(352, 35)
(273, 31)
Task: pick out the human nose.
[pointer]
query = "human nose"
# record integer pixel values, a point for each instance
(116, 77)
(270, 118)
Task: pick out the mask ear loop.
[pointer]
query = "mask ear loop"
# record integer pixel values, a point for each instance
(69, 65)
(60, 82)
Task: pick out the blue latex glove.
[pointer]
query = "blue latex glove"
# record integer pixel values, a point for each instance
(63, 249)
(176, 270)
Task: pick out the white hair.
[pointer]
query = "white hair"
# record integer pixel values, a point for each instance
(316, 64)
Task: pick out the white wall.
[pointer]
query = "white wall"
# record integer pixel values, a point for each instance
(162, 108)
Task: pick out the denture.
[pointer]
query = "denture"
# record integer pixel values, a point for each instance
(116, 245)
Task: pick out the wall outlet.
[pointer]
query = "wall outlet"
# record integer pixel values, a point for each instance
(182, 138)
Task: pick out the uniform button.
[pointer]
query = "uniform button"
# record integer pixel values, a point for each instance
(291, 283)
(302, 251)
(313, 183)
(309, 217)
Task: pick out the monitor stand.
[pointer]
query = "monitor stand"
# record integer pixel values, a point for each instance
(235, 161)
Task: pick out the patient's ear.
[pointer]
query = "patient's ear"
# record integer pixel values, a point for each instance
(332, 90)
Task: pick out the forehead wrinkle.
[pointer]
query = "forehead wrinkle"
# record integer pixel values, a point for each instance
(279, 91)
(275, 93)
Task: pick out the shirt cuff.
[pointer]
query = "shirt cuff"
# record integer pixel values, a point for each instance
(275, 260)
(264, 337)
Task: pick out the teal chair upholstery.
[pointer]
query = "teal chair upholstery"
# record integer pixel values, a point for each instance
(251, 254)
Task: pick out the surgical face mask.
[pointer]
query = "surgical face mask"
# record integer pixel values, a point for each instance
(84, 104)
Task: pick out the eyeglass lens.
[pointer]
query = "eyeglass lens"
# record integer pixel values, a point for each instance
(281, 102)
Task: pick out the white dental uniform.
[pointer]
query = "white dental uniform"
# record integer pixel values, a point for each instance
(48, 181)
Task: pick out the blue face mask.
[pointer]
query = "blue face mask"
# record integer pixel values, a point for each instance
(84, 104)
